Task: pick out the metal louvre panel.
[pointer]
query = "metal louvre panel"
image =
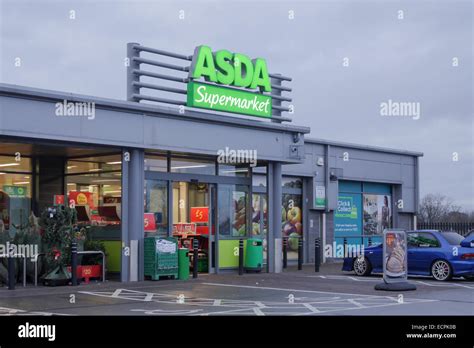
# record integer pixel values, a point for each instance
(134, 72)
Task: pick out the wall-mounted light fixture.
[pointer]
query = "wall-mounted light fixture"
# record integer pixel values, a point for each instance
(296, 137)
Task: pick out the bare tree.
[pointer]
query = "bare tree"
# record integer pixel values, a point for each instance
(438, 208)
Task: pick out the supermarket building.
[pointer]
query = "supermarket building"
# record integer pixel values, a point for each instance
(156, 166)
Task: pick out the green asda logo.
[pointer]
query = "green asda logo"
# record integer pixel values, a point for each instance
(230, 69)
(234, 70)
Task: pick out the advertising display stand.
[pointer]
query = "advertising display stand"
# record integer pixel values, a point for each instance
(395, 263)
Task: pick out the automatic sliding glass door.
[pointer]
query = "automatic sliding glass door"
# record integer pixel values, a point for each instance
(156, 208)
(193, 214)
(215, 210)
(260, 220)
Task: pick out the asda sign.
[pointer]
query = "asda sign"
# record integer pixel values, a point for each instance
(232, 83)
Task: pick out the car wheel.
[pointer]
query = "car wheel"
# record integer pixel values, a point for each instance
(441, 270)
(362, 266)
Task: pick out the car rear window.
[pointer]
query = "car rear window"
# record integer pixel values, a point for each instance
(453, 238)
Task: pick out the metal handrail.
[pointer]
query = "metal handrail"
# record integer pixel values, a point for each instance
(24, 264)
(35, 260)
(88, 252)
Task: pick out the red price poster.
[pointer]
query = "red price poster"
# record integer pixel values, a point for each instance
(58, 199)
(200, 214)
(82, 198)
(150, 222)
(184, 228)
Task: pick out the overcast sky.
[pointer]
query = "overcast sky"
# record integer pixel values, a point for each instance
(403, 60)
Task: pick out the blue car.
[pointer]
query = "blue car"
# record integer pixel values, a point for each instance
(430, 253)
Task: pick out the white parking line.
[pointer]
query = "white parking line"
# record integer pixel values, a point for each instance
(354, 302)
(444, 284)
(311, 308)
(343, 277)
(434, 283)
(284, 289)
(464, 286)
(311, 305)
(5, 311)
(117, 293)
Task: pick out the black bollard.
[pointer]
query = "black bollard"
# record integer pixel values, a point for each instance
(74, 263)
(195, 257)
(300, 253)
(285, 252)
(241, 256)
(11, 271)
(317, 254)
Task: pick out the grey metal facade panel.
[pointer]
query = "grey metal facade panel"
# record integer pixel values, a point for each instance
(314, 231)
(203, 138)
(408, 175)
(365, 155)
(405, 221)
(409, 199)
(365, 170)
(115, 127)
(24, 92)
(363, 165)
(362, 147)
(307, 168)
(36, 118)
(318, 149)
(408, 160)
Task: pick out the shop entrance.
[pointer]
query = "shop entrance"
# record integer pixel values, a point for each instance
(193, 220)
(214, 210)
(260, 221)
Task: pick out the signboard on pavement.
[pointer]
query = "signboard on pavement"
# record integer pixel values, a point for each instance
(395, 265)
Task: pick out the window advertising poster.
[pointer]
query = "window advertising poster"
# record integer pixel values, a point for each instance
(240, 214)
(82, 198)
(86, 200)
(4, 211)
(347, 220)
(292, 227)
(377, 214)
(319, 194)
(149, 222)
(394, 256)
